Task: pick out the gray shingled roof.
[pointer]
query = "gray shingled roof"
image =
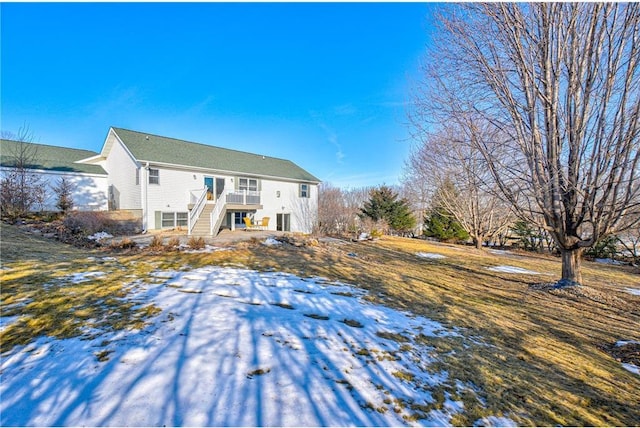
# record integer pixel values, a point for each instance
(154, 148)
(51, 158)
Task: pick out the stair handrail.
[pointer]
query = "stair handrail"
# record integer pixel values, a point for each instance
(195, 212)
(216, 214)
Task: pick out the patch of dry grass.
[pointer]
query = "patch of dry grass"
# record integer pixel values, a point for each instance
(38, 289)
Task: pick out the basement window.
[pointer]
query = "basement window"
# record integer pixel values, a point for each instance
(175, 219)
(182, 219)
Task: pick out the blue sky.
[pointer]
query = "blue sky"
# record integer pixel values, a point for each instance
(322, 84)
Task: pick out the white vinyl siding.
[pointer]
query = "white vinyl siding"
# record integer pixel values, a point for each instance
(122, 168)
(89, 191)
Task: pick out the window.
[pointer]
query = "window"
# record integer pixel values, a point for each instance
(238, 218)
(154, 176)
(175, 219)
(168, 220)
(248, 184)
(304, 191)
(182, 219)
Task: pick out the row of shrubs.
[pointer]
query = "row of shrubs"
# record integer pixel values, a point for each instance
(158, 244)
(90, 222)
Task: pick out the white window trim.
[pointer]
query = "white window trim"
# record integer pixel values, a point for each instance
(248, 186)
(157, 176)
(174, 219)
(307, 190)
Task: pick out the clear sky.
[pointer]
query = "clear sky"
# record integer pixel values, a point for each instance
(322, 84)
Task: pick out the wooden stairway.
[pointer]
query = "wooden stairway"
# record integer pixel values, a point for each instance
(203, 224)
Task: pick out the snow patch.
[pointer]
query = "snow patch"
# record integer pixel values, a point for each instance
(5, 321)
(77, 278)
(500, 252)
(627, 342)
(634, 291)
(430, 255)
(632, 368)
(233, 347)
(99, 236)
(270, 242)
(609, 262)
(512, 269)
(206, 249)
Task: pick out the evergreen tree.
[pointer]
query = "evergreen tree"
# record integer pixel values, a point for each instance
(380, 205)
(527, 234)
(383, 204)
(64, 191)
(402, 219)
(440, 224)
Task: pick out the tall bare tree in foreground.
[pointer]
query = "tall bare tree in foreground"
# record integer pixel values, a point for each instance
(560, 83)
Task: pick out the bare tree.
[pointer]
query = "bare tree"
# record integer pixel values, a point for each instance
(354, 200)
(461, 184)
(416, 186)
(630, 241)
(338, 208)
(20, 188)
(333, 215)
(560, 84)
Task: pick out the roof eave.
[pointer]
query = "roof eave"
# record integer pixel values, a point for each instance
(226, 172)
(93, 160)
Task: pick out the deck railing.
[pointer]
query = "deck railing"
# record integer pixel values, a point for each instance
(243, 197)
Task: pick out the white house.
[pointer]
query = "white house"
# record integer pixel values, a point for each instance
(50, 163)
(173, 183)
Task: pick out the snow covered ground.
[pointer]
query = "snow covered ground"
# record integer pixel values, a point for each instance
(430, 255)
(234, 347)
(512, 269)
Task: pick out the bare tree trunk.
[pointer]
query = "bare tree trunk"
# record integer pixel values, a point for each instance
(478, 243)
(571, 260)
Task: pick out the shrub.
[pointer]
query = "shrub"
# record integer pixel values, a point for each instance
(442, 225)
(88, 222)
(123, 244)
(156, 243)
(376, 233)
(605, 248)
(173, 242)
(196, 243)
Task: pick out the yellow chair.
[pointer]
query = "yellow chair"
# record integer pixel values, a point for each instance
(249, 225)
(264, 225)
